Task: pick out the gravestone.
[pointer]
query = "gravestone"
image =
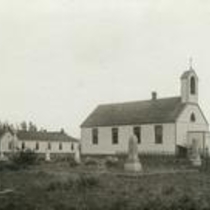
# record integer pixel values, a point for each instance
(195, 155)
(77, 154)
(132, 163)
(47, 155)
(3, 157)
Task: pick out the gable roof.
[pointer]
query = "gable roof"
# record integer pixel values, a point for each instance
(5, 130)
(133, 113)
(45, 136)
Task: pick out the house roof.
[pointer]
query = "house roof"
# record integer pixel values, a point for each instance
(2, 132)
(163, 110)
(44, 136)
(5, 130)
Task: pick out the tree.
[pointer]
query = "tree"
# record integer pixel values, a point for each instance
(23, 126)
(25, 157)
(32, 127)
(62, 130)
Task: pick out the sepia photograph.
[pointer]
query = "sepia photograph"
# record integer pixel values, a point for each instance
(104, 105)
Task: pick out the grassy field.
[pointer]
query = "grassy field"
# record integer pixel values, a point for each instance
(53, 187)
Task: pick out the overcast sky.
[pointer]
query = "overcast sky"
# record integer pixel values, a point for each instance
(59, 59)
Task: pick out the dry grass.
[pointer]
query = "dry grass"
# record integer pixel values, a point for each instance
(65, 189)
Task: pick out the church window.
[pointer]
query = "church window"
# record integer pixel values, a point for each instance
(192, 86)
(137, 133)
(192, 117)
(114, 135)
(158, 134)
(95, 136)
(37, 145)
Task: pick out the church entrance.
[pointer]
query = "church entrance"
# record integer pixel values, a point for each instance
(199, 139)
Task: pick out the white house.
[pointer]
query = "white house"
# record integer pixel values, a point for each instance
(42, 141)
(8, 142)
(38, 141)
(165, 125)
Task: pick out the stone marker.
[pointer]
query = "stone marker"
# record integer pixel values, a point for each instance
(3, 157)
(47, 156)
(77, 154)
(195, 155)
(132, 163)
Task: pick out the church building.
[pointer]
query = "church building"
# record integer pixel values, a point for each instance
(161, 125)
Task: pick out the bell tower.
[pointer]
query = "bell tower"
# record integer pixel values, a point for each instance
(189, 85)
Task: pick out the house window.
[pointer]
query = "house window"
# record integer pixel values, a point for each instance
(72, 146)
(49, 146)
(192, 86)
(37, 145)
(95, 136)
(158, 134)
(114, 135)
(192, 117)
(23, 146)
(60, 146)
(10, 145)
(137, 133)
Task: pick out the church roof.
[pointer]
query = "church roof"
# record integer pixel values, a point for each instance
(163, 110)
(44, 136)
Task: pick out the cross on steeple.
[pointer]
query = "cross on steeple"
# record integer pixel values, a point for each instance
(190, 62)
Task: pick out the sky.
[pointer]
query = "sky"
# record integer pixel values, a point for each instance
(59, 59)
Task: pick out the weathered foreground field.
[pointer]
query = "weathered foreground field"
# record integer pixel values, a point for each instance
(67, 189)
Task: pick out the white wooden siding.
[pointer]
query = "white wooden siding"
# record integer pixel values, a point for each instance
(147, 144)
(184, 125)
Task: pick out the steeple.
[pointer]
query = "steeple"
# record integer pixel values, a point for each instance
(189, 85)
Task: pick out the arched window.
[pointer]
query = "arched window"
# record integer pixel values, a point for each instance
(192, 117)
(192, 85)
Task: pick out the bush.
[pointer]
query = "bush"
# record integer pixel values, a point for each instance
(72, 162)
(25, 157)
(90, 162)
(112, 162)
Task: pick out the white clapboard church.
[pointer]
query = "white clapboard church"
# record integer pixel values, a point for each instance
(165, 125)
